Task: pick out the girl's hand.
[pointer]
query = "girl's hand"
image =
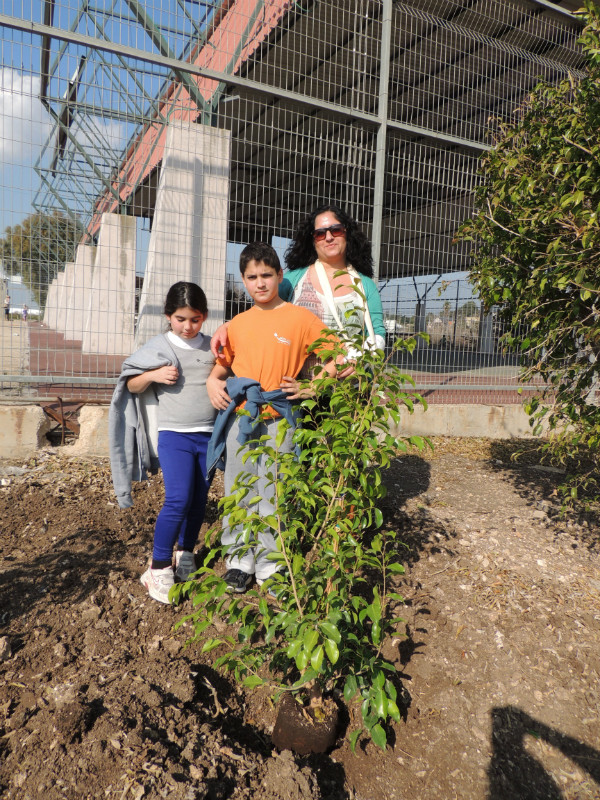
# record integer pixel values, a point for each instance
(219, 340)
(167, 375)
(217, 394)
(293, 389)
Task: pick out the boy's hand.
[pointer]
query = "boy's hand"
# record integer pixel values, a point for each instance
(217, 394)
(219, 340)
(292, 388)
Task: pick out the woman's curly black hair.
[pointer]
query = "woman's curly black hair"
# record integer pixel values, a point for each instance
(301, 252)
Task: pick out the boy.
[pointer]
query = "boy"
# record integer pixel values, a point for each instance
(267, 346)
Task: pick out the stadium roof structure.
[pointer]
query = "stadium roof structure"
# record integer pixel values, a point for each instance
(381, 106)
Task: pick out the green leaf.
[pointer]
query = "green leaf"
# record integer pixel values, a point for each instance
(317, 658)
(381, 703)
(331, 631)
(379, 736)
(333, 653)
(211, 644)
(393, 710)
(378, 679)
(376, 633)
(396, 568)
(252, 681)
(302, 660)
(354, 739)
(294, 648)
(350, 688)
(310, 639)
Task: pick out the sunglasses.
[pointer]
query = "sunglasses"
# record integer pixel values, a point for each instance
(335, 230)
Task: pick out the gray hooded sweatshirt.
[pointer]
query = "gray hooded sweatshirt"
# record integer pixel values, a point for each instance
(131, 439)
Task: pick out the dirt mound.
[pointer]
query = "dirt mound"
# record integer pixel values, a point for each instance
(499, 655)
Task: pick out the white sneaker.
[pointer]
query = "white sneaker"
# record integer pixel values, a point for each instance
(158, 582)
(185, 564)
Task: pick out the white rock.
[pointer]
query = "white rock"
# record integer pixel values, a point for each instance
(5, 649)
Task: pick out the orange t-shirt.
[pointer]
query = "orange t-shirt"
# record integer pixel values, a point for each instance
(265, 344)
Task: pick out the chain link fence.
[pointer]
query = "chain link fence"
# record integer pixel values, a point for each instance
(147, 143)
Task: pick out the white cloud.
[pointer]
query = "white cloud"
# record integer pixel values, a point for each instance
(24, 123)
(100, 134)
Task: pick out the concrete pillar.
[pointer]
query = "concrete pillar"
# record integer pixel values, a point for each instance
(50, 307)
(63, 322)
(189, 229)
(55, 306)
(111, 307)
(80, 292)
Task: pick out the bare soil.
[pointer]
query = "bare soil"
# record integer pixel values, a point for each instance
(499, 655)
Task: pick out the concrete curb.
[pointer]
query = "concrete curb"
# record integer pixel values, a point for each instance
(23, 427)
(489, 421)
(23, 430)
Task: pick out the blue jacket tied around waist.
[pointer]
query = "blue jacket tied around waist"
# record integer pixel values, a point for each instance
(240, 389)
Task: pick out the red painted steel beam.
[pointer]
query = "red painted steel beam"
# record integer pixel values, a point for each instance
(226, 31)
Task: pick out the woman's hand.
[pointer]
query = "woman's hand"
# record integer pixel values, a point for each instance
(217, 393)
(346, 369)
(219, 340)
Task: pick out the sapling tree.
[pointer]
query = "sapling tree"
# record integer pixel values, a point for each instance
(537, 256)
(336, 585)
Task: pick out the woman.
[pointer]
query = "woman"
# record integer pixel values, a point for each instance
(328, 259)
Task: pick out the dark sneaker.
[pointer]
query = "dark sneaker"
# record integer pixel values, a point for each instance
(237, 581)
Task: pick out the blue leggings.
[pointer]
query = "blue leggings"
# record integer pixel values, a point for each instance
(182, 459)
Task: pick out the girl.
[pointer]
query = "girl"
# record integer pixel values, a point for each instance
(170, 372)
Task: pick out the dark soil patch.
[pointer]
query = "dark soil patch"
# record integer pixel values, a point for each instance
(499, 656)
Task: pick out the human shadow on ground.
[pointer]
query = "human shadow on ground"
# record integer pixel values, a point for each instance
(538, 483)
(516, 774)
(409, 476)
(416, 534)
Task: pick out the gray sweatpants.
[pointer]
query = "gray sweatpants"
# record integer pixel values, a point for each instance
(254, 560)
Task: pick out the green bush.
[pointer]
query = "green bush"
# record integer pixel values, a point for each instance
(537, 254)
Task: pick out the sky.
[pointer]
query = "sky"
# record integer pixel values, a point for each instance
(25, 123)
(24, 127)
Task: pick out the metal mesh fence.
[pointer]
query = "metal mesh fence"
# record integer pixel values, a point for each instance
(147, 143)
